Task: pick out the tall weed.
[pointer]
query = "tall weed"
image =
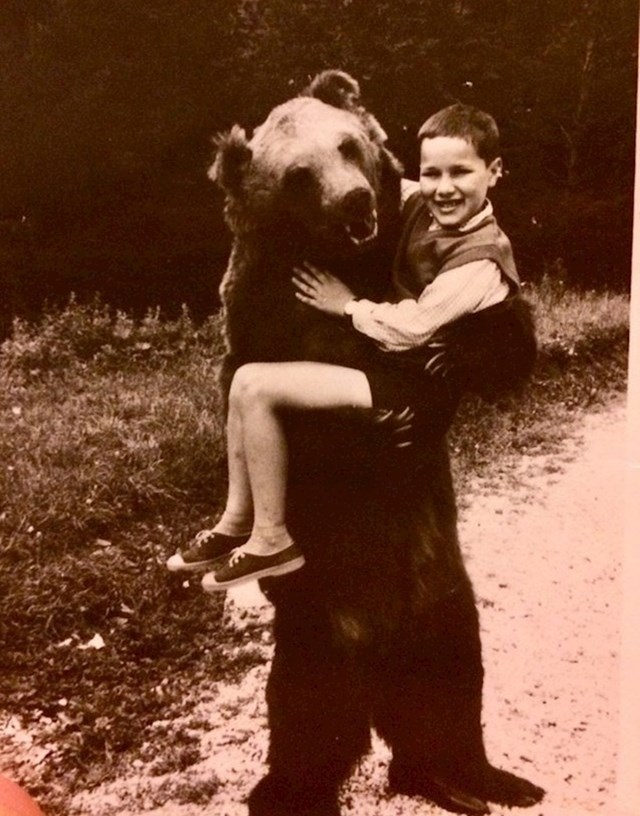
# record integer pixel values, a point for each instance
(111, 456)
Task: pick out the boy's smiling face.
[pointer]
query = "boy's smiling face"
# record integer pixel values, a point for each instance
(454, 179)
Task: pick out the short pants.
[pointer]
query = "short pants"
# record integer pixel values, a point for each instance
(398, 380)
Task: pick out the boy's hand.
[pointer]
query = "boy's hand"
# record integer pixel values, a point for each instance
(320, 289)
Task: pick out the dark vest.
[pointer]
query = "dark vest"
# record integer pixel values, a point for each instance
(423, 254)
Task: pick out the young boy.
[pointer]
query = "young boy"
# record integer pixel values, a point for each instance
(453, 260)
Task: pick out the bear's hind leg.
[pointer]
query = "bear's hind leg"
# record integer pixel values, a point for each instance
(428, 708)
(279, 796)
(319, 728)
(429, 711)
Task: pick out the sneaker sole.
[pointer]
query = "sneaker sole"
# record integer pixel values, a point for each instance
(193, 567)
(209, 584)
(176, 562)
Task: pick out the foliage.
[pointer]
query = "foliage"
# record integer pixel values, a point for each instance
(108, 110)
(566, 317)
(79, 333)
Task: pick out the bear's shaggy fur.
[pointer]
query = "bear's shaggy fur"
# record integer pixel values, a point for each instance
(380, 627)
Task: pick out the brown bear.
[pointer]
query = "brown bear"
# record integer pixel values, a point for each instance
(380, 627)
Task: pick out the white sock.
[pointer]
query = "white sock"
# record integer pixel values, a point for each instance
(232, 524)
(268, 540)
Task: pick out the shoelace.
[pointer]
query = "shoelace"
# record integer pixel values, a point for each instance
(203, 535)
(235, 556)
(201, 539)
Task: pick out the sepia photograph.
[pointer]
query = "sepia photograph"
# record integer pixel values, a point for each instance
(319, 408)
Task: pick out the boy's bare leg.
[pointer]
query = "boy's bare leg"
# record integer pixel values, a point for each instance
(234, 526)
(258, 394)
(237, 517)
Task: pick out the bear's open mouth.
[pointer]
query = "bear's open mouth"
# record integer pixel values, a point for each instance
(363, 230)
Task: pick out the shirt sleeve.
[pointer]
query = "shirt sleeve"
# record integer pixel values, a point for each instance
(454, 293)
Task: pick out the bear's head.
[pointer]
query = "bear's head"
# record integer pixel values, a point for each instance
(317, 170)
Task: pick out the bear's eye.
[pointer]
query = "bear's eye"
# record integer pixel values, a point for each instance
(350, 149)
(298, 178)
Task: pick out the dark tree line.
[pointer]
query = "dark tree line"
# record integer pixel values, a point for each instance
(108, 108)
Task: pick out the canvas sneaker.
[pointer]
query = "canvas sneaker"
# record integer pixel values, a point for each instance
(205, 549)
(242, 566)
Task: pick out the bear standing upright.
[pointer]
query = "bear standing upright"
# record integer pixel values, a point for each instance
(380, 627)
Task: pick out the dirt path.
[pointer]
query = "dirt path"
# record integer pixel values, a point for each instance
(543, 547)
(549, 588)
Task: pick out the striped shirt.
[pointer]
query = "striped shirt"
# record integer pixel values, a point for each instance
(456, 292)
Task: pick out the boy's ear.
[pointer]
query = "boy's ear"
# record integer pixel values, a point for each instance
(495, 170)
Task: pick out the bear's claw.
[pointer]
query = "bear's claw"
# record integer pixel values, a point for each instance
(442, 793)
(505, 788)
(497, 786)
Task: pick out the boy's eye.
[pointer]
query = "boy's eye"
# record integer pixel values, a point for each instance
(430, 173)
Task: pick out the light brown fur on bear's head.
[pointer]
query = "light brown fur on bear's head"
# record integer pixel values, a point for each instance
(314, 166)
(314, 183)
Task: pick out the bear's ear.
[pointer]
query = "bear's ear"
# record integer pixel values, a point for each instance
(391, 167)
(341, 90)
(335, 88)
(233, 154)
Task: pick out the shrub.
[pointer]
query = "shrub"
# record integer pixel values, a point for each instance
(81, 333)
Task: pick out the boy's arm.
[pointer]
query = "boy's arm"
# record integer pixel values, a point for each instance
(411, 323)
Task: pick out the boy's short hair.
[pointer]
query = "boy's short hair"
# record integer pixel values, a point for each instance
(465, 122)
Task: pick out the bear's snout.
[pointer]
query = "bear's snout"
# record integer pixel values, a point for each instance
(358, 203)
(359, 215)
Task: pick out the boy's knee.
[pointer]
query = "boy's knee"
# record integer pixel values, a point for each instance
(251, 384)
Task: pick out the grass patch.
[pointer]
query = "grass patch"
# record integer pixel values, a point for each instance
(566, 317)
(112, 454)
(582, 362)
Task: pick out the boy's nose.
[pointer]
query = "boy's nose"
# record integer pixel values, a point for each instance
(445, 186)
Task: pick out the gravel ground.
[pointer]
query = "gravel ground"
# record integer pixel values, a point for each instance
(543, 542)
